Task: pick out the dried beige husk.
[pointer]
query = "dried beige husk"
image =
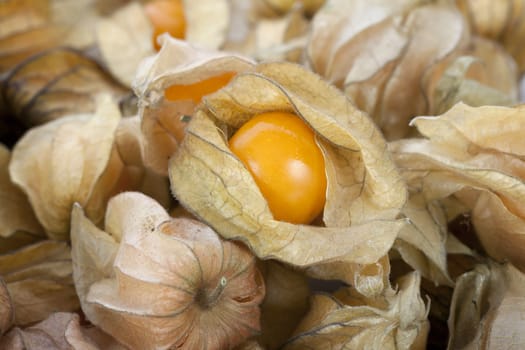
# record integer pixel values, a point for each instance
(399, 321)
(486, 76)
(79, 158)
(274, 38)
(284, 305)
(39, 279)
(501, 21)
(60, 331)
(364, 193)
(487, 308)
(124, 40)
(207, 22)
(423, 243)
(155, 282)
(55, 83)
(475, 155)
(390, 57)
(19, 224)
(177, 64)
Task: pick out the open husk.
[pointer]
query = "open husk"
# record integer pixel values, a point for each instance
(178, 64)
(39, 281)
(474, 155)
(155, 282)
(395, 321)
(84, 158)
(364, 193)
(487, 308)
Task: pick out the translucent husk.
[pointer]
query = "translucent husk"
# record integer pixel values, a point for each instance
(397, 320)
(474, 155)
(487, 308)
(39, 281)
(364, 193)
(152, 281)
(80, 158)
(177, 64)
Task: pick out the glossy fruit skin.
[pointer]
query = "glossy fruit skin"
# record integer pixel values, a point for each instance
(166, 16)
(196, 91)
(280, 151)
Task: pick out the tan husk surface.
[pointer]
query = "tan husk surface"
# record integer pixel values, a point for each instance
(493, 317)
(155, 282)
(82, 158)
(39, 279)
(397, 321)
(475, 155)
(364, 193)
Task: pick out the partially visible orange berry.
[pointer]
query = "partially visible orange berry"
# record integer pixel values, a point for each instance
(196, 91)
(167, 16)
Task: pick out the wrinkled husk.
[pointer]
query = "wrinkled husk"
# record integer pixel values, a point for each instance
(422, 243)
(389, 58)
(502, 21)
(178, 63)
(487, 308)
(272, 8)
(207, 22)
(155, 282)
(39, 280)
(475, 155)
(56, 83)
(80, 158)
(364, 193)
(19, 225)
(397, 321)
(60, 331)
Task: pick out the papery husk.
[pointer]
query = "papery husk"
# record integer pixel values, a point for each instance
(56, 83)
(364, 193)
(399, 322)
(277, 38)
(207, 22)
(177, 63)
(155, 282)
(80, 158)
(500, 21)
(39, 281)
(379, 53)
(487, 308)
(285, 303)
(60, 331)
(475, 155)
(484, 75)
(19, 224)
(422, 243)
(124, 40)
